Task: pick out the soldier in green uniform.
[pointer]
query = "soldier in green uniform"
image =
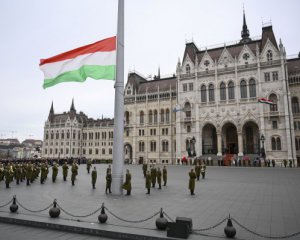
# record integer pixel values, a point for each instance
(94, 177)
(43, 173)
(54, 172)
(145, 166)
(74, 173)
(153, 176)
(203, 169)
(23, 175)
(148, 182)
(165, 175)
(158, 175)
(65, 170)
(88, 165)
(18, 173)
(192, 181)
(108, 181)
(197, 171)
(29, 171)
(8, 175)
(127, 184)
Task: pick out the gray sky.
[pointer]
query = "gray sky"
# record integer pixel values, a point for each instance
(155, 35)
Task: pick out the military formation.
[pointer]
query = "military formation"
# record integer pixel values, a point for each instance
(28, 172)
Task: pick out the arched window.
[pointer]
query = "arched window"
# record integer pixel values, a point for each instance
(230, 90)
(141, 117)
(222, 91)
(155, 117)
(273, 106)
(252, 88)
(211, 93)
(62, 134)
(243, 87)
(165, 146)
(126, 117)
(167, 115)
(276, 143)
(203, 93)
(187, 109)
(150, 117)
(47, 135)
(52, 135)
(295, 105)
(162, 115)
(187, 69)
(68, 134)
(141, 146)
(269, 56)
(57, 135)
(153, 146)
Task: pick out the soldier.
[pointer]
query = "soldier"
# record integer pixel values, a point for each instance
(74, 173)
(43, 172)
(285, 162)
(148, 181)
(18, 173)
(145, 166)
(29, 172)
(65, 170)
(54, 172)
(88, 165)
(108, 181)
(273, 162)
(203, 168)
(158, 175)
(153, 176)
(192, 181)
(197, 171)
(8, 175)
(127, 184)
(94, 177)
(108, 169)
(165, 175)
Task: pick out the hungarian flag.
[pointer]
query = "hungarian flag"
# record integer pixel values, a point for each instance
(96, 60)
(264, 100)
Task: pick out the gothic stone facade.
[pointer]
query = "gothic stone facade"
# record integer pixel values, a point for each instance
(209, 108)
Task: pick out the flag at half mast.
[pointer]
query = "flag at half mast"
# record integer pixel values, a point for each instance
(96, 60)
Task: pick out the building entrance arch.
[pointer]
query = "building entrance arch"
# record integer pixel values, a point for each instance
(251, 138)
(209, 139)
(128, 153)
(230, 139)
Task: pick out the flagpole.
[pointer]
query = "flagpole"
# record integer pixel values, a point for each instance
(118, 147)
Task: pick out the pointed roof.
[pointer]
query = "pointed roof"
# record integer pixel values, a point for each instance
(267, 33)
(190, 50)
(52, 109)
(72, 108)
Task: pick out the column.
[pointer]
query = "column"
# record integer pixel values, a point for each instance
(219, 137)
(241, 146)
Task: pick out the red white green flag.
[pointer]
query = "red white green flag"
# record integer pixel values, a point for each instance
(264, 100)
(96, 60)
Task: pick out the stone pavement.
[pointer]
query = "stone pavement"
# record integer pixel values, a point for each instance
(266, 200)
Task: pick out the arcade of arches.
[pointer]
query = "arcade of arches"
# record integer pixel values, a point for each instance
(229, 141)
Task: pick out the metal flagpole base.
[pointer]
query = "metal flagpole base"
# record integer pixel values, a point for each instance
(116, 186)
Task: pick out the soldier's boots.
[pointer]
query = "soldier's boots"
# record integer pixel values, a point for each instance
(94, 186)
(159, 186)
(7, 185)
(73, 183)
(148, 191)
(27, 182)
(128, 192)
(65, 178)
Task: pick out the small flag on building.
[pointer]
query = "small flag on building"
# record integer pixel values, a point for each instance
(96, 60)
(177, 109)
(264, 100)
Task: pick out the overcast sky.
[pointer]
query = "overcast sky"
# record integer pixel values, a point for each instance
(155, 35)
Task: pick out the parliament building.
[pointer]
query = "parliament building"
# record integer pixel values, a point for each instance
(238, 100)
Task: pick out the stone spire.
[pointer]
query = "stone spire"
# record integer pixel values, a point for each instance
(72, 108)
(245, 32)
(51, 113)
(158, 74)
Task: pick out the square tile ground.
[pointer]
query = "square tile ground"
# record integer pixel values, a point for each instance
(266, 200)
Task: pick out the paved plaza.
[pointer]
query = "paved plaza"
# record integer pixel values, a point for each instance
(266, 200)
